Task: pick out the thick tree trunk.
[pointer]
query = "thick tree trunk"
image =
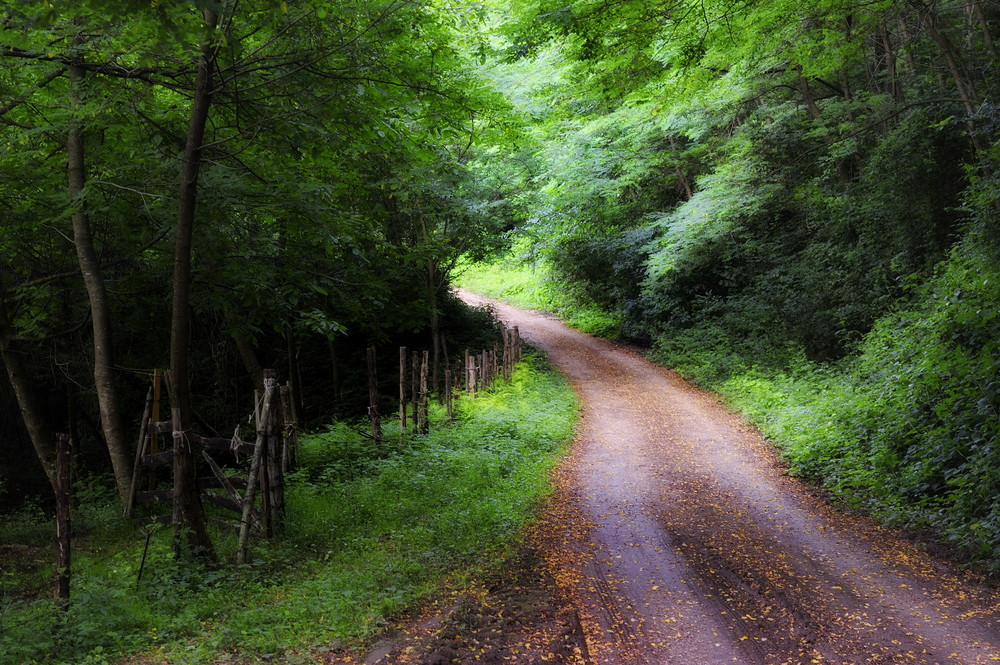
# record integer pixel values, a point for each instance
(189, 518)
(42, 437)
(100, 308)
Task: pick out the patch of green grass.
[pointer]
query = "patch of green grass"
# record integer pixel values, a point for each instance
(371, 530)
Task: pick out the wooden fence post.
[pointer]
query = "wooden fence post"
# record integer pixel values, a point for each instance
(258, 453)
(139, 451)
(402, 394)
(64, 493)
(506, 354)
(290, 435)
(444, 354)
(274, 487)
(422, 425)
(373, 396)
(154, 436)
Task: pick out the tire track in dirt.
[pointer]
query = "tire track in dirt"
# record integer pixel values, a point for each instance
(679, 540)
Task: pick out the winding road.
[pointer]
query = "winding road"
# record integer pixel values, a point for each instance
(677, 538)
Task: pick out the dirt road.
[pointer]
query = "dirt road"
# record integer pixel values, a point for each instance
(675, 537)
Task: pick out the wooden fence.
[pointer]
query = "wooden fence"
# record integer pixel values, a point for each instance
(475, 372)
(249, 482)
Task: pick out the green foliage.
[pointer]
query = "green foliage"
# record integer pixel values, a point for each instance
(793, 203)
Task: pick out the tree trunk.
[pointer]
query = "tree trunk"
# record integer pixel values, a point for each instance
(891, 67)
(64, 494)
(977, 9)
(963, 84)
(434, 314)
(189, 516)
(295, 376)
(42, 437)
(681, 178)
(334, 371)
(100, 308)
(814, 113)
(373, 413)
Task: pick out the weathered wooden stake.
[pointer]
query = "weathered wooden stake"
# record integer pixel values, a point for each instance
(258, 454)
(275, 480)
(484, 364)
(444, 355)
(402, 393)
(139, 451)
(506, 354)
(154, 436)
(373, 396)
(63, 490)
(422, 425)
(290, 430)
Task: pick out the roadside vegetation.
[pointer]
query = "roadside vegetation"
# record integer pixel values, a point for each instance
(794, 204)
(904, 426)
(371, 530)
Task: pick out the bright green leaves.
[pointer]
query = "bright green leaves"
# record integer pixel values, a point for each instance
(751, 184)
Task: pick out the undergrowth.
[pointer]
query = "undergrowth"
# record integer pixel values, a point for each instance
(371, 530)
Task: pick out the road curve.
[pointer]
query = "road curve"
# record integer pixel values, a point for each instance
(680, 540)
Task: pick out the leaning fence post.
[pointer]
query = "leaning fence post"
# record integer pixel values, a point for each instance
(258, 450)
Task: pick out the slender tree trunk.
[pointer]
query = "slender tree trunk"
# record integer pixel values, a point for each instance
(892, 69)
(434, 314)
(189, 517)
(963, 84)
(977, 9)
(294, 376)
(64, 494)
(41, 435)
(100, 308)
(334, 370)
(373, 413)
(814, 113)
(681, 178)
